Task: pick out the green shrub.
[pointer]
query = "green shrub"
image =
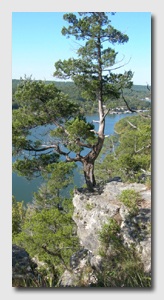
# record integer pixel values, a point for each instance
(130, 199)
(122, 267)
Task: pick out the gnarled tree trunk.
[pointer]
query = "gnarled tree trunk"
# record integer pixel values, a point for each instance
(88, 168)
(89, 160)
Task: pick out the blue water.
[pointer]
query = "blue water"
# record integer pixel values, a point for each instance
(22, 189)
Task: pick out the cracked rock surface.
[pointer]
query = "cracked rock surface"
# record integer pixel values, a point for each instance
(92, 209)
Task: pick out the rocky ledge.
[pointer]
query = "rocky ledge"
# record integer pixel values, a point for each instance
(92, 209)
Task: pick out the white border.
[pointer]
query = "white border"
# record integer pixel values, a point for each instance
(6, 10)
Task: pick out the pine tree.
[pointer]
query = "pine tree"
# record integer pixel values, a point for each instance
(42, 105)
(89, 72)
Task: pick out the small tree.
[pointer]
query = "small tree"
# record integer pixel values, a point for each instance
(43, 104)
(49, 235)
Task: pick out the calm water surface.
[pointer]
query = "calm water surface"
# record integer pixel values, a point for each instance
(22, 189)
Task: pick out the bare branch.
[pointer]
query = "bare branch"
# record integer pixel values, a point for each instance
(111, 65)
(109, 70)
(133, 110)
(95, 121)
(133, 125)
(37, 150)
(92, 130)
(144, 147)
(117, 132)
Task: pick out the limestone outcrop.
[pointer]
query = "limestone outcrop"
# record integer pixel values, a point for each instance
(92, 209)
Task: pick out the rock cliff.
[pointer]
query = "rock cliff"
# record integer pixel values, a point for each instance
(92, 209)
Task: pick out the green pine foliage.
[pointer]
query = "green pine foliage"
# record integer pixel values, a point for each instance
(86, 71)
(58, 177)
(49, 235)
(45, 105)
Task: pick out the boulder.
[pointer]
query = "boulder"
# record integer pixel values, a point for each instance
(22, 266)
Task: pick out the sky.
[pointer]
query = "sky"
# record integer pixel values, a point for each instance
(37, 43)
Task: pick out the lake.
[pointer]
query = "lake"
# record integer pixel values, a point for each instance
(22, 189)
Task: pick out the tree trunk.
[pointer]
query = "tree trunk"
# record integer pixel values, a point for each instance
(88, 168)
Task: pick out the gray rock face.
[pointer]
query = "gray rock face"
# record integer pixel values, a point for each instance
(91, 210)
(94, 209)
(89, 214)
(22, 267)
(82, 270)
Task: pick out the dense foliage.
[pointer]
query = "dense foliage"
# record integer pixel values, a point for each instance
(50, 237)
(127, 153)
(47, 231)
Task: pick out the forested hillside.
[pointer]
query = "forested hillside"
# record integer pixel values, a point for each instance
(133, 96)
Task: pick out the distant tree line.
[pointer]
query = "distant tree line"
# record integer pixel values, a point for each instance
(133, 97)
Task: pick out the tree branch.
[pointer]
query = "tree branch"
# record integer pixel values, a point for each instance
(92, 130)
(58, 255)
(69, 159)
(83, 144)
(105, 114)
(133, 125)
(133, 110)
(109, 70)
(95, 121)
(144, 147)
(37, 150)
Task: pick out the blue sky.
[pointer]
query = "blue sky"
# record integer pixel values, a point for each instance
(37, 43)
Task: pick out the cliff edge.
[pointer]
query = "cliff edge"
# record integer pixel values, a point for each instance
(92, 209)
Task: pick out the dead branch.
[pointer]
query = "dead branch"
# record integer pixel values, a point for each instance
(144, 147)
(135, 127)
(133, 110)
